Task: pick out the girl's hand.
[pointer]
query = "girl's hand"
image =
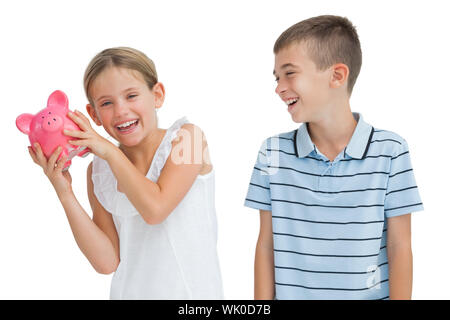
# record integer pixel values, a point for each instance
(61, 181)
(88, 137)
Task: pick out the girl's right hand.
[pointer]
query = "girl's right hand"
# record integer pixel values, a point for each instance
(61, 181)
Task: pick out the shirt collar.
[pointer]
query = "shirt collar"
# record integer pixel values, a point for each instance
(357, 147)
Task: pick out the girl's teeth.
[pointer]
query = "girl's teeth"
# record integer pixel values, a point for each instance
(126, 124)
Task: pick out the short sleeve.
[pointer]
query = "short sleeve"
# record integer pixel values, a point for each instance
(258, 195)
(402, 194)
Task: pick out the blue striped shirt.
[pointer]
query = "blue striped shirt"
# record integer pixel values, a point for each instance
(329, 219)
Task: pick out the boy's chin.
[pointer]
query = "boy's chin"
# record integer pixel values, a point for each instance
(298, 118)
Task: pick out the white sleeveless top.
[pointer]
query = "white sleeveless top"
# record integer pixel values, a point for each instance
(176, 259)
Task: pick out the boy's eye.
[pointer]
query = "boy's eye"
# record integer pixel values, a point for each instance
(105, 103)
(287, 74)
(131, 96)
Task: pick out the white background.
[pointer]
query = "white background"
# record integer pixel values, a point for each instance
(215, 60)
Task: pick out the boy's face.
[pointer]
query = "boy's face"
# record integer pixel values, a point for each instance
(301, 86)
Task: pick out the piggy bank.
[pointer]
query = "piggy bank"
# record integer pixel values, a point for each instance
(46, 127)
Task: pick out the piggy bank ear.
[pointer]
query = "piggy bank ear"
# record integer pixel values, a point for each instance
(58, 99)
(23, 122)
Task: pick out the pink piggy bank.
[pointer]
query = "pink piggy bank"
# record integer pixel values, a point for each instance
(46, 128)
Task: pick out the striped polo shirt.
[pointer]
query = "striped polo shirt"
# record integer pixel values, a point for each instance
(329, 219)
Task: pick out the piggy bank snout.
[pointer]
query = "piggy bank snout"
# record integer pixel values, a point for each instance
(51, 122)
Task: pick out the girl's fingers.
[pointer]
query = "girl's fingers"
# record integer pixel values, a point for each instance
(32, 155)
(76, 142)
(60, 163)
(81, 115)
(42, 161)
(76, 119)
(80, 120)
(86, 120)
(75, 133)
(52, 159)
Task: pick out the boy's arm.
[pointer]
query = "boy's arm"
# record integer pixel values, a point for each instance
(264, 265)
(400, 257)
(155, 201)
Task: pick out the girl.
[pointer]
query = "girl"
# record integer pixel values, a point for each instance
(152, 196)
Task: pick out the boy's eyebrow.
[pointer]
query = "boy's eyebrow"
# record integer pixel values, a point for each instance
(129, 89)
(286, 65)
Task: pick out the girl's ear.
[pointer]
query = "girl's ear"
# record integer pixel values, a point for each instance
(159, 92)
(93, 114)
(58, 99)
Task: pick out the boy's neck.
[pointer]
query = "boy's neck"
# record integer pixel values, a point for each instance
(333, 131)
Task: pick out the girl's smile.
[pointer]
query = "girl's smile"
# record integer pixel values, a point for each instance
(125, 105)
(127, 127)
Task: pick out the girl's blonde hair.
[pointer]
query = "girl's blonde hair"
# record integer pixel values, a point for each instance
(124, 57)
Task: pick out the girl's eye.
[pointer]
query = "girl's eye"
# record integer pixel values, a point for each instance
(289, 73)
(131, 96)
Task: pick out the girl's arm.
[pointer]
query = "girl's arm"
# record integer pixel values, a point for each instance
(108, 258)
(264, 265)
(155, 201)
(400, 257)
(96, 238)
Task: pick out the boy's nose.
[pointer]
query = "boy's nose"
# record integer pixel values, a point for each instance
(280, 88)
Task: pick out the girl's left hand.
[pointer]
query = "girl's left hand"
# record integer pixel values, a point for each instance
(88, 137)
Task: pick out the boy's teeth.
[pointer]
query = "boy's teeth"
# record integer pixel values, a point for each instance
(291, 101)
(126, 124)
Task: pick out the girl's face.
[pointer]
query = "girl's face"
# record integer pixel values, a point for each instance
(124, 105)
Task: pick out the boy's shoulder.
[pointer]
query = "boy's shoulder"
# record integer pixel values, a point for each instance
(278, 141)
(387, 134)
(387, 141)
(287, 136)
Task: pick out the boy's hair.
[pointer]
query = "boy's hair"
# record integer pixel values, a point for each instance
(124, 57)
(329, 40)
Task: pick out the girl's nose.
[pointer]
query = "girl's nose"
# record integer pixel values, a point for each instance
(120, 108)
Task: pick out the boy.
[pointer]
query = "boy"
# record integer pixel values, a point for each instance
(335, 195)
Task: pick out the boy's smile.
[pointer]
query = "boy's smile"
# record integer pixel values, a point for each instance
(300, 85)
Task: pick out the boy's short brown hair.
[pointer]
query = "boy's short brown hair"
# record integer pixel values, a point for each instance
(329, 40)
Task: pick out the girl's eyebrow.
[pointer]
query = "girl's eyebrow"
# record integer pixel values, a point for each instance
(126, 90)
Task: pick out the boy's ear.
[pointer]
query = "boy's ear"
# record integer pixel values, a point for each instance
(339, 75)
(93, 114)
(159, 92)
